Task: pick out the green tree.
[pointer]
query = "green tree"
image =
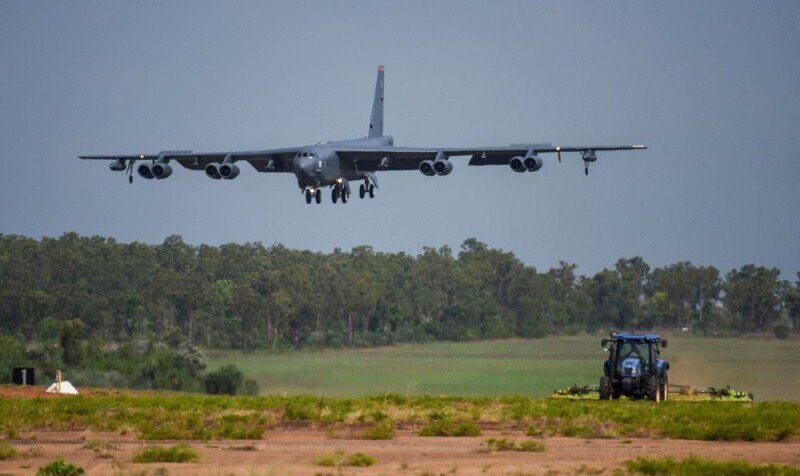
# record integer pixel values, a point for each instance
(71, 340)
(753, 295)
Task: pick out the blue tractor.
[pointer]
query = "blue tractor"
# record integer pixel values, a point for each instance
(633, 367)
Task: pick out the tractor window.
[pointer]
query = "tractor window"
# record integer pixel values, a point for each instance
(639, 350)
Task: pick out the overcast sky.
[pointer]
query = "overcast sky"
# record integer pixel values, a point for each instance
(710, 87)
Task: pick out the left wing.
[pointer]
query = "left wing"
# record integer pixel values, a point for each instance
(410, 158)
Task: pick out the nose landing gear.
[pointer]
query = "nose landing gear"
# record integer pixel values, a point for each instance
(313, 194)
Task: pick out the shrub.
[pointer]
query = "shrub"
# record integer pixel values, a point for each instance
(781, 331)
(59, 467)
(381, 431)
(505, 444)
(227, 380)
(172, 454)
(704, 467)
(338, 459)
(359, 459)
(7, 452)
(441, 425)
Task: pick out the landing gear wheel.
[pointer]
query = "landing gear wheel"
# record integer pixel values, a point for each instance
(344, 196)
(372, 190)
(308, 195)
(334, 194)
(318, 196)
(605, 388)
(651, 389)
(362, 191)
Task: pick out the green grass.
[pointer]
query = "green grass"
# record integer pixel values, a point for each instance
(768, 368)
(171, 454)
(694, 466)
(167, 415)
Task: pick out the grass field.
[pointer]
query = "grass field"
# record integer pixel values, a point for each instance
(768, 368)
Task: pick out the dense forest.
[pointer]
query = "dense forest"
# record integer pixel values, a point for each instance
(68, 300)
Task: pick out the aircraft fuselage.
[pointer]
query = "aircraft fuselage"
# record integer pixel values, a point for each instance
(319, 166)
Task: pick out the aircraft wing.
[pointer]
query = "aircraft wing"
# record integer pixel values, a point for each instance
(272, 160)
(409, 158)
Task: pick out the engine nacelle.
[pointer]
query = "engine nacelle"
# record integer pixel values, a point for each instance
(229, 171)
(517, 164)
(532, 163)
(442, 167)
(145, 172)
(118, 165)
(212, 170)
(589, 156)
(426, 167)
(161, 171)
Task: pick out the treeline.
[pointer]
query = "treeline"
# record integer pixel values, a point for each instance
(250, 296)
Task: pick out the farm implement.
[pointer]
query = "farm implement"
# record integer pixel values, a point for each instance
(634, 370)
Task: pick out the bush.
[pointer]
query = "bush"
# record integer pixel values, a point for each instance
(59, 467)
(227, 380)
(172, 454)
(383, 430)
(703, 467)
(338, 459)
(505, 444)
(781, 332)
(7, 452)
(443, 426)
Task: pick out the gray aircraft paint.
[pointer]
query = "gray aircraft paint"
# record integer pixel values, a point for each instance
(334, 164)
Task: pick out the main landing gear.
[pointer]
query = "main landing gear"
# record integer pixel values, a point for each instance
(338, 192)
(366, 188)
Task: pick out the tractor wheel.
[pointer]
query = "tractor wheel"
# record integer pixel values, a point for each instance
(651, 389)
(664, 388)
(605, 388)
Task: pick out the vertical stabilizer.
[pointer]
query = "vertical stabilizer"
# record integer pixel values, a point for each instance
(376, 121)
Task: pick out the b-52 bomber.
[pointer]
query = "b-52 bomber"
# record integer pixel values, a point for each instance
(336, 164)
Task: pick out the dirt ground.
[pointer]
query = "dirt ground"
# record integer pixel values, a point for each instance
(295, 449)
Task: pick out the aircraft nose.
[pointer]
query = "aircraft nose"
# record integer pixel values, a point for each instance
(305, 168)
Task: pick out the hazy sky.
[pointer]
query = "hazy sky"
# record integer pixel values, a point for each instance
(710, 87)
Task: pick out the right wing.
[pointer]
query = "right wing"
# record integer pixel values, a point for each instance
(272, 160)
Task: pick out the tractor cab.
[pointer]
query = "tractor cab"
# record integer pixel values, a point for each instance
(633, 367)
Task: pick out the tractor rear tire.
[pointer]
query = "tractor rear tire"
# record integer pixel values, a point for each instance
(664, 388)
(605, 388)
(651, 389)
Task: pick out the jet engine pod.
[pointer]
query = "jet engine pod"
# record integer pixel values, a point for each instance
(426, 167)
(161, 171)
(517, 164)
(532, 163)
(118, 165)
(212, 170)
(145, 171)
(229, 171)
(442, 167)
